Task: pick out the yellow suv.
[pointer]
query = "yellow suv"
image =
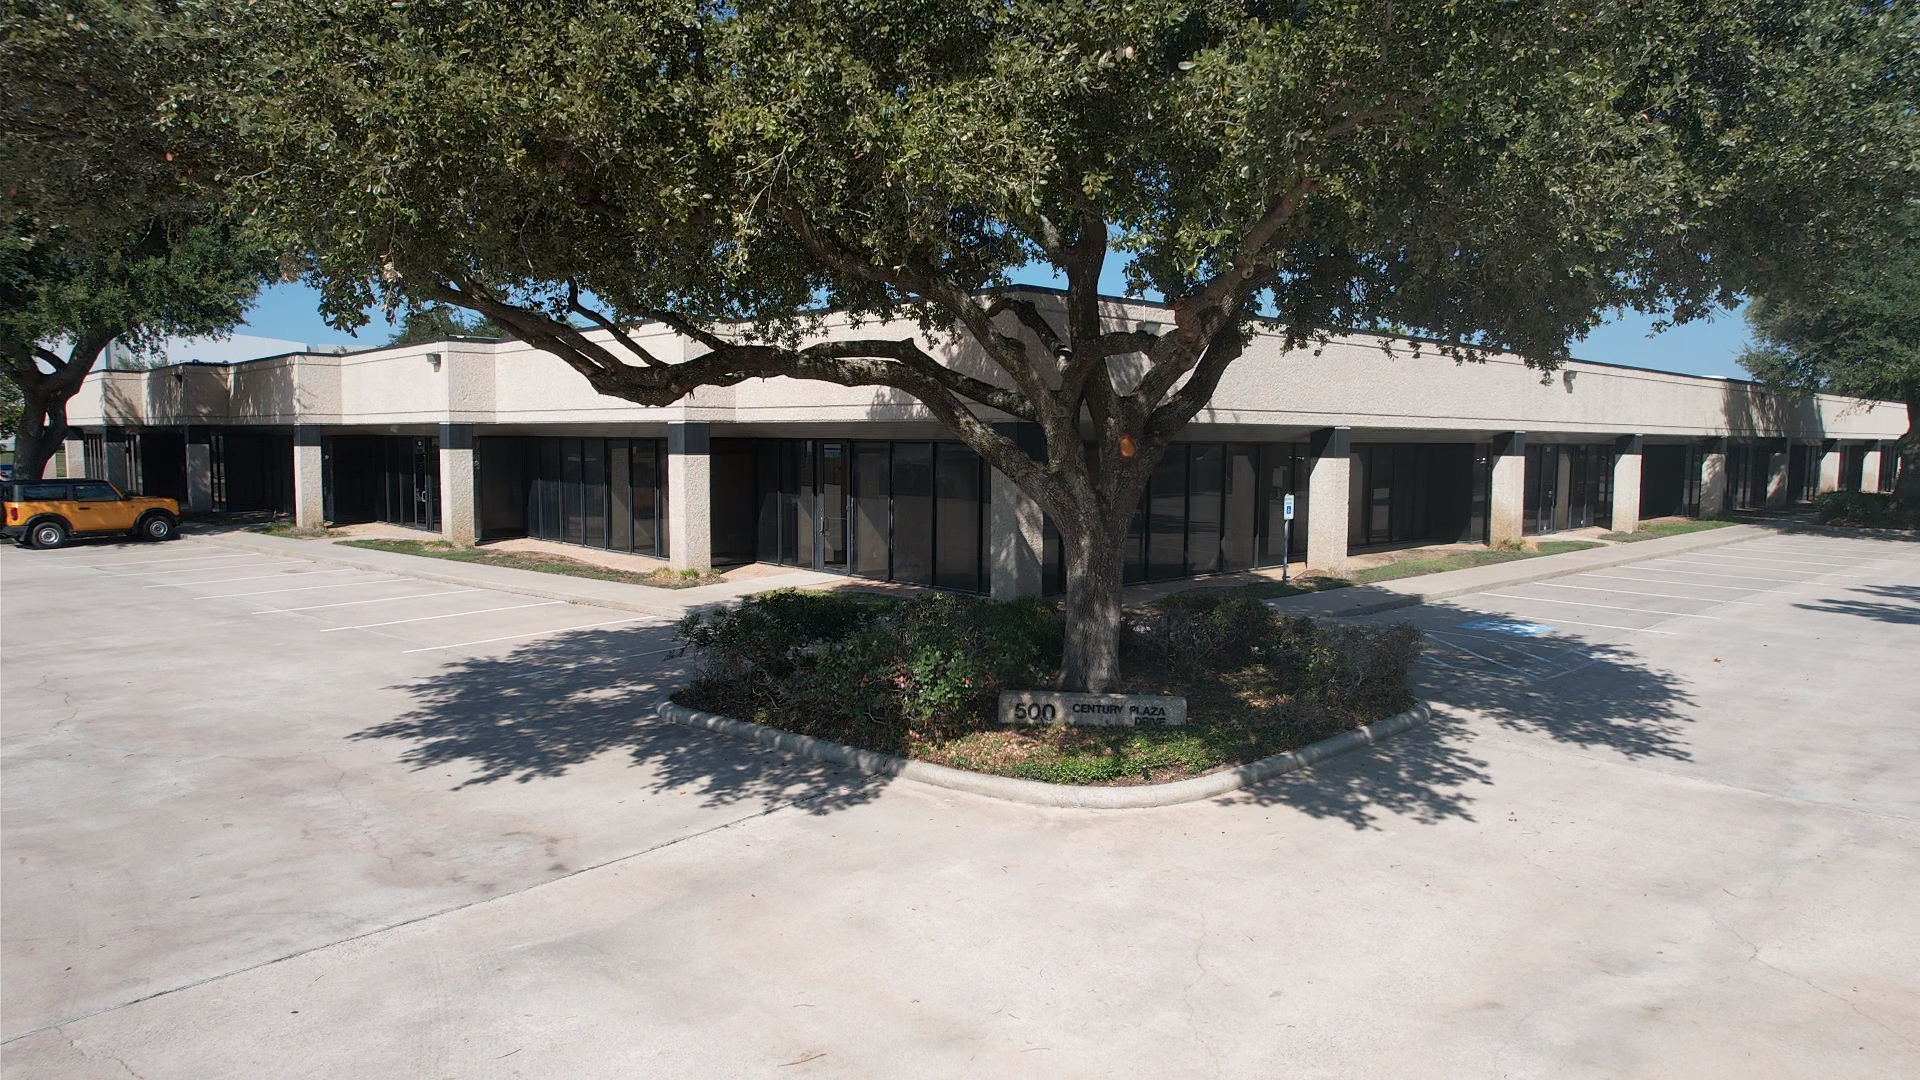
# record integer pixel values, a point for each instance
(47, 513)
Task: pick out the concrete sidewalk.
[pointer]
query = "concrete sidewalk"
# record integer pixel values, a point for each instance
(676, 603)
(667, 603)
(1406, 592)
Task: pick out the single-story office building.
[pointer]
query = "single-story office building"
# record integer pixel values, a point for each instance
(1380, 444)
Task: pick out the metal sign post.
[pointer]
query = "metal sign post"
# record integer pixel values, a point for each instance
(1286, 539)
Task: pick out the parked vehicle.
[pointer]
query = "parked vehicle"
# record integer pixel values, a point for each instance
(49, 513)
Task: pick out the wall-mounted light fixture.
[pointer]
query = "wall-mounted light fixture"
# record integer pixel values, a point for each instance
(434, 359)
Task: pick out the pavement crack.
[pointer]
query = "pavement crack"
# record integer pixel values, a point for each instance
(60, 1025)
(1753, 951)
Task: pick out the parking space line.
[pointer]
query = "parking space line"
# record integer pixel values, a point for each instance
(1704, 573)
(1848, 565)
(1784, 557)
(1604, 607)
(1750, 591)
(203, 569)
(388, 580)
(1631, 592)
(256, 577)
(178, 559)
(449, 615)
(536, 633)
(1760, 576)
(351, 603)
(1578, 622)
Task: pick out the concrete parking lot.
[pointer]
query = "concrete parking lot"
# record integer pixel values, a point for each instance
(263, 817)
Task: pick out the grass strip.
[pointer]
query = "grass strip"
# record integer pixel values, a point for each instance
(1464, 560)
(1657, 529)
(540, 562)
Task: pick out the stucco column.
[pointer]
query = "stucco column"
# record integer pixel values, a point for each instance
(458, 511)
(1777, 480)
(1016, 526)
(199, 470)
(1870, 469)
(1507, 489)
(1713, 479)
(689, 497)
(1626, 484)
(309, 478)
(1829, 467)
(76, 451)
(1016, 540)
(1328, 493)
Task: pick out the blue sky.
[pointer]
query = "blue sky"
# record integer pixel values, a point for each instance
(291, 312)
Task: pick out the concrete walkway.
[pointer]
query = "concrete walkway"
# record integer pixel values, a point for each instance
(667, 603)
(676, 603)
(1407, 592)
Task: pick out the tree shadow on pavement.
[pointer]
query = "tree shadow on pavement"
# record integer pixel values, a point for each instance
(1905, 608)
(1423, 774)
(547, 706)
(1557, 685)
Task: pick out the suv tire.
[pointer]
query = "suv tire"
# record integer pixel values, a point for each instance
(157, 526)
(48, 534)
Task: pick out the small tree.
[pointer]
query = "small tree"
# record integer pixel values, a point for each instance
(437, 323)
(108, 233)
(1857, 334)
(1492, 173)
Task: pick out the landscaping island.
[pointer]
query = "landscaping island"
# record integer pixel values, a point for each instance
(919, 677)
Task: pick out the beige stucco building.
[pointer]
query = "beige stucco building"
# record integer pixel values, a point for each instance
(1379, 441)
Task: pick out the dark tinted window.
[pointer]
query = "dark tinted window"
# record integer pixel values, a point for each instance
(39, 492)
(94, 491)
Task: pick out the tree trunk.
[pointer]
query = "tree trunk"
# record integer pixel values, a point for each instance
(1906, 488)
(1091, 661)
(43, 426)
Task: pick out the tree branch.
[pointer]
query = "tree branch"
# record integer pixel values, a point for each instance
(611, 327)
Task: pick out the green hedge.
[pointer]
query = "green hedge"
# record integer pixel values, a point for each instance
(1865, 509)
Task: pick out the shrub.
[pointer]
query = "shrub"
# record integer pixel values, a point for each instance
(922, 676)
(1865, 509)
(871, 669)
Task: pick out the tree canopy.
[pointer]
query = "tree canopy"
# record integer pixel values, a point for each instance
(112, 229)
(1857, 333)
(1493, 174)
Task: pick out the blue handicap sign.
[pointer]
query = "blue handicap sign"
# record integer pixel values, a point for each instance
(1286, 509)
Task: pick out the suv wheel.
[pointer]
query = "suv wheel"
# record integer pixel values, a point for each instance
(48, 534)
(159, 526)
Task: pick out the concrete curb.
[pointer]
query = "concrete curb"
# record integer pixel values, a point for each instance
(1409, 592)
(1035, 793)
(606, 594)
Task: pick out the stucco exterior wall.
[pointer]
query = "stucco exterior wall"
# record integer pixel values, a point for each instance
(1380, 387)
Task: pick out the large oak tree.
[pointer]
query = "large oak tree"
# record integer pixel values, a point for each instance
(112, 229)
(1857, 333)
(1497, 174)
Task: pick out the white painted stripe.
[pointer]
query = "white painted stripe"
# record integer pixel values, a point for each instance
(256, 577)
(1705, 573)
(385, 580)
(1762, 573)
(1631, 592)
(212, 569)
(1748, 589)
(536, 633)
(1837, 564)
(1605, 607)
(1610, 626)
(449, 615)
(181, 559)
(351, 603)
